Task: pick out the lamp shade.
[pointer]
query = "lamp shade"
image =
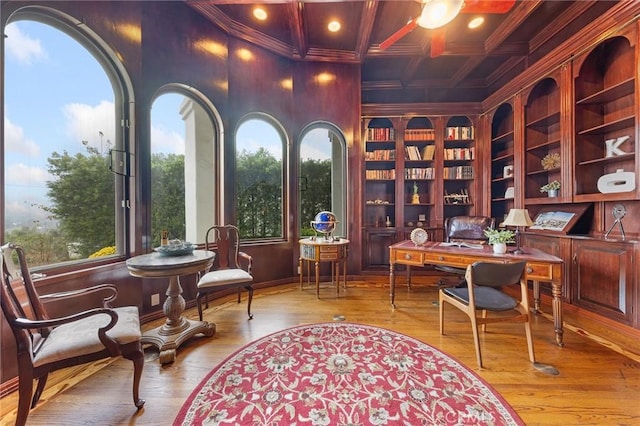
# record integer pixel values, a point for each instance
(518, 217)
(437, 13)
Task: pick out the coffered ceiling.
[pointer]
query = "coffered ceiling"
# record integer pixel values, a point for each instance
(474, 63)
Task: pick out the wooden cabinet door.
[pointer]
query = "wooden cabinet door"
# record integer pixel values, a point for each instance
(376, 248)
(603, 278)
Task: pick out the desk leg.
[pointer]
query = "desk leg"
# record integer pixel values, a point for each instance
(317, 279)
(556, 291)
(344, 272)
(536, 296)
(408, 276)
(300, 272)
(392, 284)
(336, 266)
(177, 328)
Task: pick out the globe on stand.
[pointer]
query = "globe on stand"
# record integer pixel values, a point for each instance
(324, 223)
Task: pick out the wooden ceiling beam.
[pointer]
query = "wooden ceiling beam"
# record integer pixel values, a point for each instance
(508, 26)
(567, 16)
(296, 26)
(369, 10)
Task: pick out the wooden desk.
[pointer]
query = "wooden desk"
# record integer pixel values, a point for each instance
(318, 250)
(177, 328)
(540, 267)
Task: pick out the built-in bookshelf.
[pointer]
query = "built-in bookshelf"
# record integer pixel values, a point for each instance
(458, 173)
(605, 160)
(502, 162)
(420, 172)
(380, 173)
(543, 153)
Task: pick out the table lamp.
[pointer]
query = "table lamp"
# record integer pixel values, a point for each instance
(518, 218)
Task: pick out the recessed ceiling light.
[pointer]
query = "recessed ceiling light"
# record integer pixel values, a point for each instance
(260, 13)
(476, 22)
(334, 26)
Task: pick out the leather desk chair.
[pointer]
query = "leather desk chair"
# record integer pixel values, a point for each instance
(466, 229)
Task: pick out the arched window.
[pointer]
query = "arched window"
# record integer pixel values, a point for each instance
(184, 166)
(322, 171)
(260, 156)
(64, 200)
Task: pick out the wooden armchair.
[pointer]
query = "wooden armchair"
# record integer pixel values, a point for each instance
(47, 344)
(232, 268)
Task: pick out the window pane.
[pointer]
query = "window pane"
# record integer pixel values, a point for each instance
(59, 127)
(322, 180)
(183, 169)
(259, 188)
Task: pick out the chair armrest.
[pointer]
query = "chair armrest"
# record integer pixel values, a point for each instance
(248, 260)
(106, 302)
(108, 342)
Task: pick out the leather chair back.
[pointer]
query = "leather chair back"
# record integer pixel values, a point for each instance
(467, 228)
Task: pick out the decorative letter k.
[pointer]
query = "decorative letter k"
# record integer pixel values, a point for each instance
(613, 144)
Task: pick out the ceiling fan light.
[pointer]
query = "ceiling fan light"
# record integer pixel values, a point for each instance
(437, 13)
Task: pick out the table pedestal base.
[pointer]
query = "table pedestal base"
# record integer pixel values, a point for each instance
(167, 338)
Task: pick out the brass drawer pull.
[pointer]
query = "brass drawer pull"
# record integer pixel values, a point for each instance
(529, 269)
(407, 256)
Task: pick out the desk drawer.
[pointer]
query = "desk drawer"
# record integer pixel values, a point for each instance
(408, 257)
(539, 271)
(448, 260)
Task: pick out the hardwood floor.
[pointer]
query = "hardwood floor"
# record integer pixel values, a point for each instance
(596, 386)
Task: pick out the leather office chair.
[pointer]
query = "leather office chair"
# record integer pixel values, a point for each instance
(47, 344)
(464, 228)
(482, 294)
(227, 271)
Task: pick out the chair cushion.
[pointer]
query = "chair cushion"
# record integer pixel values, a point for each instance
(81, 337)
(222, 277)
(486, 298)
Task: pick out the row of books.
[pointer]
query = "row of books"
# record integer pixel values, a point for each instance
(461, 133)
(459, 153)
(380, 174)
(420, 173)
(458, 172)
(380, 154)
(381, 134)
(412, 152)
(420, 135)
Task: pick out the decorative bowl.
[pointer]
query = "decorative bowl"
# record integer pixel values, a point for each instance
(173, 249)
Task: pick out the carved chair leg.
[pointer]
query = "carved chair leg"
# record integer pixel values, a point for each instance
(137, 358)
(199, 305)
(25, 390)
(250, 290)
(42, 381)
(239, 294)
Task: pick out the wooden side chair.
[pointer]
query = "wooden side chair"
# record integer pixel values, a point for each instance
(232, 268)
(47, 344)
(482, 294)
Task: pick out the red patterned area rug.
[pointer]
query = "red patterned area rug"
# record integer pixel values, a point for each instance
(343, 374)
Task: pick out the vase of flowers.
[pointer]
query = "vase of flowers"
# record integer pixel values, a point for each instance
(552, 188)
(498, 238)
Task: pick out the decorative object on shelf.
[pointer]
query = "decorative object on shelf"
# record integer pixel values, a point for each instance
(620, 181)
(415, 198)
(518, 218)
(507, 171)
(176, 248)
(510, 192)
(164, 239)
(618, 212)
(551, 188)
(457, 198)
(324, 223)
(388, 222)
(551, 161)
(498, 238)
(419, 236)
(612, 146)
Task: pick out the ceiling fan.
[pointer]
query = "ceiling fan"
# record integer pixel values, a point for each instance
(437, 13)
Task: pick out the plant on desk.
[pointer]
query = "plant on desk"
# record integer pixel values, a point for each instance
(499, 238)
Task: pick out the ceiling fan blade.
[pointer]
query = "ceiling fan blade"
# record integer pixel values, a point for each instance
(399, 34)
(438, 41)
(487, 6)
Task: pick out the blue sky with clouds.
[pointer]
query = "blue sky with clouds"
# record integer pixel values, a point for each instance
(57, 96)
